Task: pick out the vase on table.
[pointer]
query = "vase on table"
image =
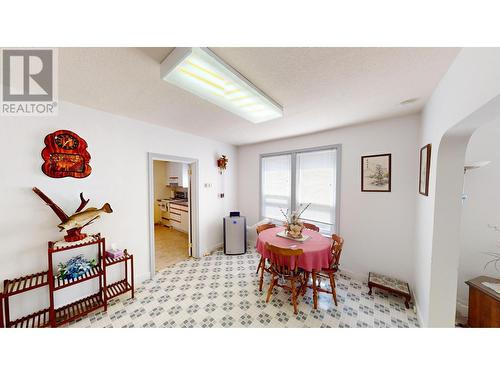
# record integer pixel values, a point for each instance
(295, 229)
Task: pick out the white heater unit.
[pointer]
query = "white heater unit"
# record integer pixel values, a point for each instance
(235, 235)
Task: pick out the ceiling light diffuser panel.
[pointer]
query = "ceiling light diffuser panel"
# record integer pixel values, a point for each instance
(201, 72)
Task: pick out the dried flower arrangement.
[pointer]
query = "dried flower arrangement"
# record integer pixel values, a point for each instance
(294, 226)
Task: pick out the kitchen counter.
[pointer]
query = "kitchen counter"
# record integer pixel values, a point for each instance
(182, 202)
(185, 204)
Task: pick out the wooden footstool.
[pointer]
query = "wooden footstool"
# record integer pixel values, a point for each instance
(390, 284)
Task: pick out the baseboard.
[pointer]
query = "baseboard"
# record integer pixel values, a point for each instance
(417, 311)
(463, 308)
(213, 249)
(139, 279)
(355, 275)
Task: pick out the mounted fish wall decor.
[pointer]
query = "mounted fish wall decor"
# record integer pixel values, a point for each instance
(80, 219)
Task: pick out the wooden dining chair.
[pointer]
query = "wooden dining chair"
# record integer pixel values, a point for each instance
(263, 227)
(285, 266)
(311, 227)
(328, 273)
(262, 262)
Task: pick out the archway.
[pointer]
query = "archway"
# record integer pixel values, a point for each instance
(447, 213)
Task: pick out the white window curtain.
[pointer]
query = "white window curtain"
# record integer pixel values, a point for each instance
(276, 182)
(297, 178)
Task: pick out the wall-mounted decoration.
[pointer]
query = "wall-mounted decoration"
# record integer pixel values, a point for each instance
(222, 163)
(80, 219)
(376, 173)
(65, 155)
(425, 166)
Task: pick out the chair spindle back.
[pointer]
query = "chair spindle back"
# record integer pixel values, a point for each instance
(337, 245)
(263, 227)
(283, 261)
(311, 227)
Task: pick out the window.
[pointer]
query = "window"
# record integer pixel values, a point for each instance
(276, 185)
(293, 178)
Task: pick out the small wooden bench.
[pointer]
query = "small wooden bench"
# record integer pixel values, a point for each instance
(390, 284)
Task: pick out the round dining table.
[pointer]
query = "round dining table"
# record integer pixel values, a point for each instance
(316, 254)
(317, 248)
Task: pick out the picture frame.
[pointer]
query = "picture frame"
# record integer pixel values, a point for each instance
(376, 173)
(424, 170)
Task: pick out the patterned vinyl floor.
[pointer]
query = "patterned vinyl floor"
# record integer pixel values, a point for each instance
(222, 291)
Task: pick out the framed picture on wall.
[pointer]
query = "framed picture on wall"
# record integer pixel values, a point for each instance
(425, 166)
(376, 173)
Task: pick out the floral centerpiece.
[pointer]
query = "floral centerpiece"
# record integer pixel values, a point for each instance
(75, 267)
(293, 225)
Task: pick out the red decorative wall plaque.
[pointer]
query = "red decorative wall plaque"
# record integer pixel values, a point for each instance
(65, 155)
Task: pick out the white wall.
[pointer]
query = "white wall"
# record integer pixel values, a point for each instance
(472, 80)
(481, 208)
(378, 227)
(118, 147)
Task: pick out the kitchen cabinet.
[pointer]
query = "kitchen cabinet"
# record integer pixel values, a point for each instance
(179, 217)
(177, 174)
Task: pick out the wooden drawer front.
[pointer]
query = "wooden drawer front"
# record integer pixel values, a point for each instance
(484, 311)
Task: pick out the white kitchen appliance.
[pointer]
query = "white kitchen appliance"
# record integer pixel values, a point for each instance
(235, 234)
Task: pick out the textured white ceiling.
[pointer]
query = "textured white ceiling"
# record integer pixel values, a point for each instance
(319, 88)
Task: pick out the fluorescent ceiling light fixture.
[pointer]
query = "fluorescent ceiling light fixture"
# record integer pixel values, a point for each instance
(201, 72)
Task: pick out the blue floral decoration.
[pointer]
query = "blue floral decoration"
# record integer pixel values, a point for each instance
(75, 267)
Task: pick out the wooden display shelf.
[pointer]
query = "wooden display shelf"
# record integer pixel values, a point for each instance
(79, 308)
(93, 240)
(90, 274)
(115, 289)
(110, 261)
(52, 317)
(40, 319)
(25, 283)
(122, 286)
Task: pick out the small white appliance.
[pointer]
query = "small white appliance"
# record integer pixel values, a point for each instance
(235, 234)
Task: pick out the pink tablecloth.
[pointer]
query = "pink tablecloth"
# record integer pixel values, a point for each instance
(317, 253)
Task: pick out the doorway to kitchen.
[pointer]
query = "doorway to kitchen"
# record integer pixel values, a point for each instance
(173, 215)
